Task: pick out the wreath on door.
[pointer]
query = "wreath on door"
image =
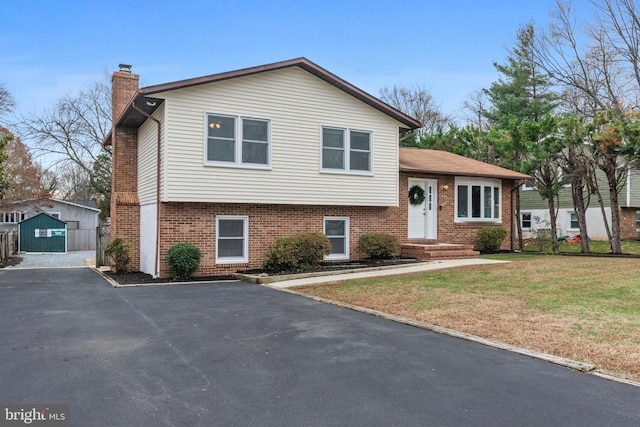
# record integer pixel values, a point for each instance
(416, 195)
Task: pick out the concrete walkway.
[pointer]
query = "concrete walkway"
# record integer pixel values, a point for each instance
(413, 268)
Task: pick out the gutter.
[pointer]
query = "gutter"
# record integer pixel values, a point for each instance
(157, 256)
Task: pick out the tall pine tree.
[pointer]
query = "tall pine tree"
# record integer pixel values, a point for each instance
(521, 100)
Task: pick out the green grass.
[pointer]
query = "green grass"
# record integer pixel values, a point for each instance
(629, 247)
(585, 308)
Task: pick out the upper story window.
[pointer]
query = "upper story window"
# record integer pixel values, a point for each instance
(238, 141)
(12, 217)
(478, 200)
(346, 150)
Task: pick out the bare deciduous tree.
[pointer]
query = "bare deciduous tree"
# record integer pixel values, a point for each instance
(7, 102)
(597, 66)
(475, 108)
(70, 134)
(419, 104)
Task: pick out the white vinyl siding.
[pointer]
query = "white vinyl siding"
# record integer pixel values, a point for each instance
(297, 104)
(147, 157)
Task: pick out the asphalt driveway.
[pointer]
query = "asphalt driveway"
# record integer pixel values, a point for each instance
(241, 354)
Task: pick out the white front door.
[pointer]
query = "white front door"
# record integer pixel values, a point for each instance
(423, 218)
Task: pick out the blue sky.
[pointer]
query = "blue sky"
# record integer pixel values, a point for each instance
(52, 48)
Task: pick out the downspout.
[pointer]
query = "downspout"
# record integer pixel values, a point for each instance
(157, 256)
(628, 204)
(513, 190)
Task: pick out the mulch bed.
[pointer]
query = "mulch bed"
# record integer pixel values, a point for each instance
(137, 277)
(10, 262)
(133, 278)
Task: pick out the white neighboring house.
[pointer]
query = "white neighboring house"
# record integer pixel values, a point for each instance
(534, 213)
(81, 218)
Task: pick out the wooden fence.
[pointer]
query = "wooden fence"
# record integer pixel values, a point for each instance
(102, 236)
(8, 244)
(81, 240)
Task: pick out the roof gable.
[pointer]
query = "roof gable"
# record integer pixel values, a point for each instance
(143, 103)
(445, 163)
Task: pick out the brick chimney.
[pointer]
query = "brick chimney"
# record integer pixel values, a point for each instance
(124, 85)
(125, 209)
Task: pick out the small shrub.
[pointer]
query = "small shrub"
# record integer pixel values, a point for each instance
(119, 252)
(183, 259)
(491, 238)
(379, 245)
(299, 252)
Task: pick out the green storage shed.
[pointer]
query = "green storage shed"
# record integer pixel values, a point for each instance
(42, 233)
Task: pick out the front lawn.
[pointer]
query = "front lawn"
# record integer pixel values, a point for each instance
(586, 308)
(629, 247)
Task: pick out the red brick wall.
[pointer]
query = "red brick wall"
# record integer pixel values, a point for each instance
(196, 222)
(125, 209)
(628, 229)
(448, 230)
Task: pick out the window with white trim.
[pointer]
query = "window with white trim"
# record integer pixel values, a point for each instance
(346, 150)
(478, 200)
(637, 220)
(337, 230)
(232, 239)
(12, 217)
(574, 224)
(525, 220)
(238, 141)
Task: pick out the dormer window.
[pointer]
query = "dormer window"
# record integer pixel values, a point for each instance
(238, 141)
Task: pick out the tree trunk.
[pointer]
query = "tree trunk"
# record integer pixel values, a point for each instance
(595, 189)
(577, 191)
(610, 169)
(554, 227)
(577, 194)
(612, 179)
(518, 223)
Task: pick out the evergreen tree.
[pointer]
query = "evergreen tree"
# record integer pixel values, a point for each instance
(520, 99)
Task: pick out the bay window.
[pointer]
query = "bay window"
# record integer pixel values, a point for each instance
(478, 200)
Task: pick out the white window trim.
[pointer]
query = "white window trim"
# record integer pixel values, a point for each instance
(346, 237)
(238, 143)
(53, 214)
(637, 223)
(530, 220)
(569, 228)
(245, 247)
(347, 149)
(16, 216)
(482, 182)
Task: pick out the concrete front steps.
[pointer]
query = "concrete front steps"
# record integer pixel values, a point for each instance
(431, 251)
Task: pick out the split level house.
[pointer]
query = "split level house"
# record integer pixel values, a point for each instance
(231, 161)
